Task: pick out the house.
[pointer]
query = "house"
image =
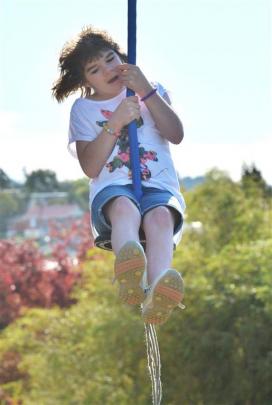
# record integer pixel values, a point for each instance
(43, 209)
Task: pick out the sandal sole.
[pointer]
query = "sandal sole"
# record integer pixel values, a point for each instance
(129, 268)
(167, 294)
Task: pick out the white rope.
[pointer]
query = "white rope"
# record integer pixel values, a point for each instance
(154, 362)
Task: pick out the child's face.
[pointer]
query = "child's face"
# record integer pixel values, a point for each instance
(101, 75)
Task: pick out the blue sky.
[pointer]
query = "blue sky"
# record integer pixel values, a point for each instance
(214, 57)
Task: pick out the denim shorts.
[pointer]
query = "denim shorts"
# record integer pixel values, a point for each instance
(152, 197)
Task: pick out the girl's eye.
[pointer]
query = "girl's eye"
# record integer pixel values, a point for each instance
(107, 61)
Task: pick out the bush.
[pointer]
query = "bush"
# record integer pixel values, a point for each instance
(25, 280)
(216, 352)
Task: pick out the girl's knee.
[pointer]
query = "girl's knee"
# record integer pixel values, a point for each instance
(159, 217)
(122, 207)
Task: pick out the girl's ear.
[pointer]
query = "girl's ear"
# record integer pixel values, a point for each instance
(85, 87)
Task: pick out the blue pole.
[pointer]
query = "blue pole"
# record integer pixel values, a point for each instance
(132, 128)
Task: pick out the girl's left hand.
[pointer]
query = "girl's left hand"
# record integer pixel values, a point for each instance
(133, 78)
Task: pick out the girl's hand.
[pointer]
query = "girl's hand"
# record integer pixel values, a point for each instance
(127, 111)
(133, 78)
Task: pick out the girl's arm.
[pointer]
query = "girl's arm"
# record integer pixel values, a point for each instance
(93, 155)
(166, 120)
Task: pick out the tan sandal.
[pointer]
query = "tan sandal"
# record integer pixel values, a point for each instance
(165, 294)
(129, 267)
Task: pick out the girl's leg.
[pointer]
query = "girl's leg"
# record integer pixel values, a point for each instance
(158, 225)
(125, 220)
(130, 262)
(167, 292)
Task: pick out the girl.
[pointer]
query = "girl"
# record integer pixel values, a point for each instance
(99, 120)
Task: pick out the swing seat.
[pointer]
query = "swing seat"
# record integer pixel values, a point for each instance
(103, 241)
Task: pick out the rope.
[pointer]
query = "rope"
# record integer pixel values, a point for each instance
(152, 346)
(132, 128)
(154, 362)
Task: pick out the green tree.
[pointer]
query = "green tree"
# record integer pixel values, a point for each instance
(222, 343)
(227, 213)
(41, 181)
(5, 181)
(78, 192)
(253, 183)
(96, 347)
(216, 352)
(12, 203)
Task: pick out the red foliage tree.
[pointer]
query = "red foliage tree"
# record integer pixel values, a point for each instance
(76, 237)
(30, 279)
(26, 281)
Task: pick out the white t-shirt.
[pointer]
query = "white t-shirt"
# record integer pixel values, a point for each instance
(157, 169)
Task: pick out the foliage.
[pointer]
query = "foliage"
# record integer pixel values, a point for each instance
(85, 343)
(5, 181)
(228, 215)
(46, 181)
(223, 343)
(8, 207)
(78, 192)
(29, 278)
(12, 203)
(26, 281)
(216, 352)
(253, 182)
(76, 237)
(41, 181)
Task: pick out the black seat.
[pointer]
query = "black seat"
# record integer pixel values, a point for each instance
(103, 241)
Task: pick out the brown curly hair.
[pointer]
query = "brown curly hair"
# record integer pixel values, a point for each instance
(74, 56)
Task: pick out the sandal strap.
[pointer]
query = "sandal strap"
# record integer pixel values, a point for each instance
(147, 289)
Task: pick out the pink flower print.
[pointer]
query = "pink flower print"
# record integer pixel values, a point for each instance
(145, 174)
(124, 156)
(150, 155)
(106, 113)
(143, 161)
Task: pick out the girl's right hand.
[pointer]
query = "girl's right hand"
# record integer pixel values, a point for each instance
(127, 111)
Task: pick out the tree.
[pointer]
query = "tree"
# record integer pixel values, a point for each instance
(223, 341)
(216, 352)
(228, 214)
(29, 278)
(78, 192)
(25, 280)
(252, 181)
(11, 204)
(5, 181)
(41, 181)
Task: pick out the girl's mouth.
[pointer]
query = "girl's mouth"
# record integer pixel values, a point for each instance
(113, 79)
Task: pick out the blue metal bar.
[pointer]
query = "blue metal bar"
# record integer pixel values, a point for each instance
(132, 128)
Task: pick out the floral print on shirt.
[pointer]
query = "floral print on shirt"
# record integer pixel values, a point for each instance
(123, 158)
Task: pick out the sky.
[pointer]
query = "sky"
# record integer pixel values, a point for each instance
(213, 56)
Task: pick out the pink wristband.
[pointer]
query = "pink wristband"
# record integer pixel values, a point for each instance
(153, 91)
